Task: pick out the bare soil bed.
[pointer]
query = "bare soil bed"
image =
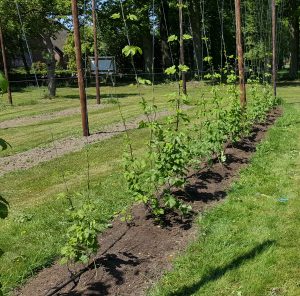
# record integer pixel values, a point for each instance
(134, 257)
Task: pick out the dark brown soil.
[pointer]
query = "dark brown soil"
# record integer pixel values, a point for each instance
(132, 258)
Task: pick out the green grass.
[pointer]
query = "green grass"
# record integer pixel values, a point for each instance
(40, 133)
(249, 245)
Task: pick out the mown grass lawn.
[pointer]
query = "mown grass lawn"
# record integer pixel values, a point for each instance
(40, 133)
(249, 245)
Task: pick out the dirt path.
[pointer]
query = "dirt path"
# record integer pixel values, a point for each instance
(35, 156)
(132, 258)
(28, 120)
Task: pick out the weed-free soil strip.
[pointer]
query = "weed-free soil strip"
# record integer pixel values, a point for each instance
(134, 257)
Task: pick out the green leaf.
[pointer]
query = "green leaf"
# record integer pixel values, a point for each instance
(144, 81)
(131, 50)
(142, 124)
(3, 83)
(116, 16)
(183, 68)
(132, 17)
(170, 202)
(171, 70)
(208, 59)
(182, 5)
(172, 38)
(187, 37)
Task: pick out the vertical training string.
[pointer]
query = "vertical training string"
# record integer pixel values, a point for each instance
(26, 42)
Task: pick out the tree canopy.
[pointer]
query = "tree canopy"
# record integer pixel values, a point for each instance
(149, 25)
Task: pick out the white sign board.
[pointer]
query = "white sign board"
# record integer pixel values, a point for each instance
(107, 65)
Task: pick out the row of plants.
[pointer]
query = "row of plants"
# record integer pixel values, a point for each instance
(186, 139)
(192, 134)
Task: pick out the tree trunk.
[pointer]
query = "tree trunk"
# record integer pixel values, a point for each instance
(195, 16)
(51, 64)
(164, 24)
(294, 46)
(147, 52)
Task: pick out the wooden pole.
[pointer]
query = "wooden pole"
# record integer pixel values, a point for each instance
(5, 66)
(82, 93)
(274, 33)
(240, 52)
(96, 52)
(183, 74)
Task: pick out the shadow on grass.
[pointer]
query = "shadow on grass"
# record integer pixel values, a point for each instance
(4, 205)
(3, 144)
(221, 271)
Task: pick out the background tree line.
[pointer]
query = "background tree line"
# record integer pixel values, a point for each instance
(210, 22)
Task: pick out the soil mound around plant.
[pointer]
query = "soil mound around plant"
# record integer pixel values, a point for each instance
(134, 257)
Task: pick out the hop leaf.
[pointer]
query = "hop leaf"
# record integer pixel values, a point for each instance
(132, 17)
(183, 68)
(115, 16)
(171, 70)
(187, 37)
(144, 81)
(172, 38)
(130, 50)
(3, 83)
(207, 59)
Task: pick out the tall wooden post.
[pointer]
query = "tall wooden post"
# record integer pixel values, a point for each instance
(96, 52)
(5, 66)
(240, 52)
(274, 33)
(82, 93)
(183, 74)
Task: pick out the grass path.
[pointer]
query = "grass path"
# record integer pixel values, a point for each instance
(47, 119)
(34, 119)
(35, 156)
(249, 245)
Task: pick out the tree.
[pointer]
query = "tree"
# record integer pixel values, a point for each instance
(41, 19)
